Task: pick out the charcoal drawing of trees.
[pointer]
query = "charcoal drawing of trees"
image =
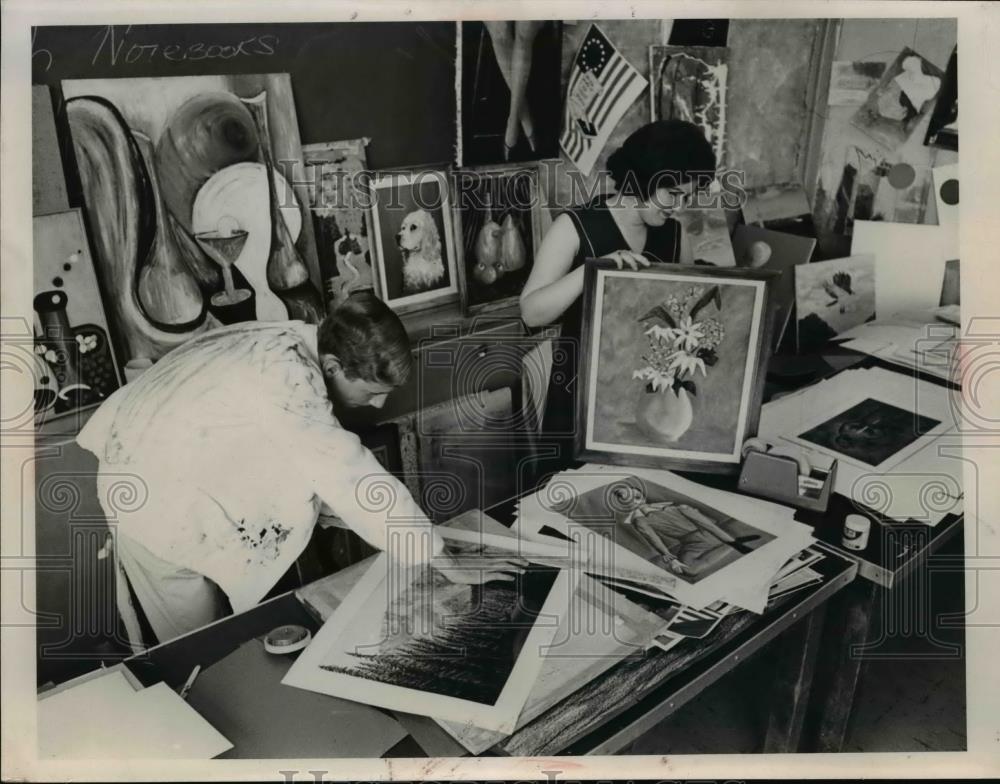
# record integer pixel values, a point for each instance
(470, 656)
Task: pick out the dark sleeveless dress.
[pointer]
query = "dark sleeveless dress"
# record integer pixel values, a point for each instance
(599, 235)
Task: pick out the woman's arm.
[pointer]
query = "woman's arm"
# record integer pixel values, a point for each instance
(549, 290)
(686, 251)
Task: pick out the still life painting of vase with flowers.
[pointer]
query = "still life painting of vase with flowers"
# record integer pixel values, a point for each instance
(673, 359)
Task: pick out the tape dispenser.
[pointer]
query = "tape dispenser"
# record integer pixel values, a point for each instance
(785, 473)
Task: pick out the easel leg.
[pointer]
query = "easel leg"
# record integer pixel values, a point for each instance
(795, 664)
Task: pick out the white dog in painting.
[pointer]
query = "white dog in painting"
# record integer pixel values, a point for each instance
(420, 245)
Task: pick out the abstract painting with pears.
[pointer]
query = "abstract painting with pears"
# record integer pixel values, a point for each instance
(186, 189)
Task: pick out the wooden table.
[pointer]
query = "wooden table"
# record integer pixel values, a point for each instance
(605, 715)
(895, 563)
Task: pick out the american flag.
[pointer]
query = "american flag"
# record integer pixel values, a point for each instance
(602, 85)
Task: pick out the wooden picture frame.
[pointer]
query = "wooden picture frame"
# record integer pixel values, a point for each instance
(489, 278)
(418, 271)
(704, 433)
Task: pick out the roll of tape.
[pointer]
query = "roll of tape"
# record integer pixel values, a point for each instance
(805, 467)
(753, 445)
(287, 639)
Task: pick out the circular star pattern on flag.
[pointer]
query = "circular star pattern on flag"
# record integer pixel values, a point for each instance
(594, 55)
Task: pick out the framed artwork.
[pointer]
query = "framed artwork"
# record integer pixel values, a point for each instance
(415, 260)
(340, 220)
(75, 365)
(689, 83)
(498, 218)
(832, 297)
(901, 99)
(759, 248)
(509, 91)
(673, 362)
(180, 177)
(461, 653)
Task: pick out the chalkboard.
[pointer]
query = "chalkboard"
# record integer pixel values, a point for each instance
(390, 81)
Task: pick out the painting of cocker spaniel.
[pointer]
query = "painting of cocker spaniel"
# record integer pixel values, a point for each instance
(419, 243)
(414, 264)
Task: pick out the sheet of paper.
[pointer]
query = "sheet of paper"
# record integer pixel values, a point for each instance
(946, 195)
(242, 695)
(743, 581)
(106, 718)
(921, 480)
(409, 625)
(909, 262)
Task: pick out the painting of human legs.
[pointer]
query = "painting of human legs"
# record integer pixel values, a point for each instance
(871, 431)
(678, 534)
(509, 90)
(416, 641)
(672, 364)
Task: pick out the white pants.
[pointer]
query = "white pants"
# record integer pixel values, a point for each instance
(175, 600)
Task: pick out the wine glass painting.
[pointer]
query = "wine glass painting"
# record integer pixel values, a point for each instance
(164, 164)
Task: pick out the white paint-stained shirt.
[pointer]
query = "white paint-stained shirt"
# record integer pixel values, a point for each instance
(231, 447)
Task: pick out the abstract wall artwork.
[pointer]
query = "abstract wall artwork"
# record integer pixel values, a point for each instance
(873, 187)
(185, 181)
(870, 432)
(415, 264)
(75, 361)
(464, 653)
(689, 83)
(333, 171)
(498, 217)
(672, 364)
(833, 296)
(852, 80)
(902, 98)
(508, 91)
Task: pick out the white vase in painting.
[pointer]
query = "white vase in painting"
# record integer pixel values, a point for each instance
(664, 415)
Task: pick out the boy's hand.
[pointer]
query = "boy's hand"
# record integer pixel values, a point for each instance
(476, 570)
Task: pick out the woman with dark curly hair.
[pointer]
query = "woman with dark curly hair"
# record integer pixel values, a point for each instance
(656, 172)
